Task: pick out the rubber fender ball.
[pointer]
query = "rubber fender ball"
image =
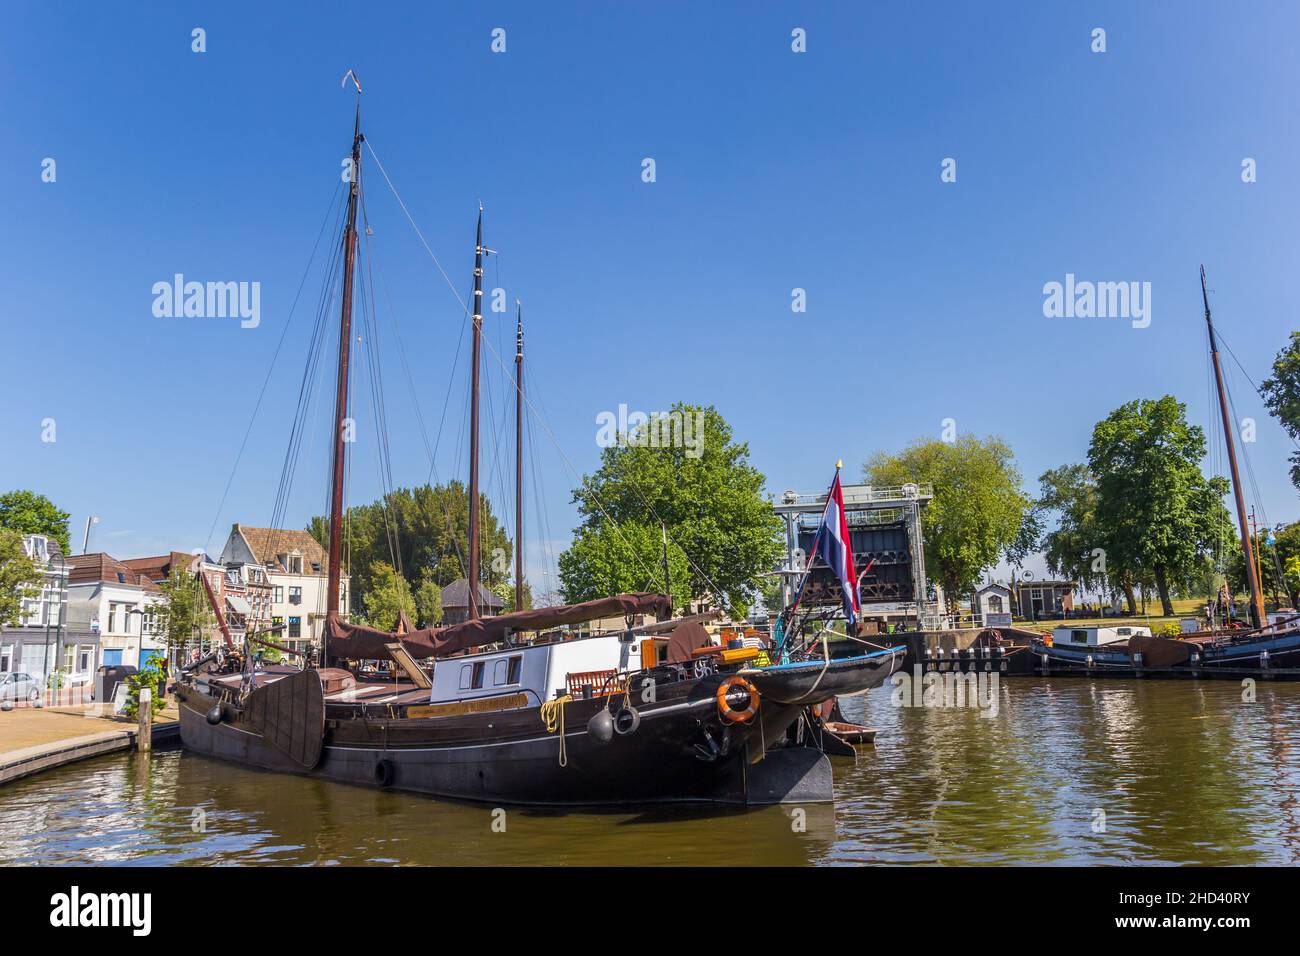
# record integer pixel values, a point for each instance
(626, 721)
(601, 727)
(214, 715)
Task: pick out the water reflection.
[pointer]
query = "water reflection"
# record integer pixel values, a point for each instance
(1180, 772)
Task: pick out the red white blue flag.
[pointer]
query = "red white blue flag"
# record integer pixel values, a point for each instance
(833, 546)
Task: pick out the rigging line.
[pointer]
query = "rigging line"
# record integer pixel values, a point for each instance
(369, 344)
(1219, 336)
(271, 368)
(411, 220)
(378, 404)
(430, 450)
(496, 355)
(305, 393)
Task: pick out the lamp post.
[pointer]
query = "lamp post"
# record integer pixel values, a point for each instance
(139, 654)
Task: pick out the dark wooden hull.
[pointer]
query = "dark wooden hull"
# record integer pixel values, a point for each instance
(1270, 655)
(681, 751)
(811, 682)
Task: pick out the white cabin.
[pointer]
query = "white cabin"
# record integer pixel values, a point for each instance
(1093, 636)
(538, 671)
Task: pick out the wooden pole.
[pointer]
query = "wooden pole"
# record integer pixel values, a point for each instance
(519, 460)
(472, 575)
(144, 738)
(335, 577)
(1258, 618)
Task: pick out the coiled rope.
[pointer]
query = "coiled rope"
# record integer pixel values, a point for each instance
(552, 713)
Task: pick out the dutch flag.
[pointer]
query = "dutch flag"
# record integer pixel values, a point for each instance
(833, 546)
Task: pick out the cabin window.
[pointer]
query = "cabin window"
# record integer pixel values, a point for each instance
(995, 604)
(507, 671)
(466, 675)
(1079, 637)
(1124, 631)
(478, 675)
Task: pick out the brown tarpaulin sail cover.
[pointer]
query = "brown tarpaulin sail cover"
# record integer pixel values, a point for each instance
(366, 643)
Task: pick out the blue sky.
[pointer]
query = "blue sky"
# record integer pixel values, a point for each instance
(775, 170)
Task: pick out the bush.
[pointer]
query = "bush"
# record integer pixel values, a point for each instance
(152, 676)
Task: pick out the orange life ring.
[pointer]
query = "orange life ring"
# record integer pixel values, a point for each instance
(724, 706)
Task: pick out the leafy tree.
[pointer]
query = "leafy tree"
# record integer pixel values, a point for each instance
(1281, 392)
(706, 493)
(428, 601)
(978, 511)
(605, 560)
(389, 595)
(1270, 558)
(505, 590)
(184, 610)
(20, 577)
(29, 513)
(1155, 510)
(424, 531)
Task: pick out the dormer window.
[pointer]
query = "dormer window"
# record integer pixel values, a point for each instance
(295, 564)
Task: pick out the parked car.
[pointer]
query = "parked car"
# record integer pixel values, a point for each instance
(19, 686)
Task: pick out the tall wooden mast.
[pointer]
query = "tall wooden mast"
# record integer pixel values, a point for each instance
(1256, 594)
(472, 576)
(519, 459)
(341, 395)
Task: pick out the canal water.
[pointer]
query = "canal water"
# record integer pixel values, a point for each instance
(1071, 771)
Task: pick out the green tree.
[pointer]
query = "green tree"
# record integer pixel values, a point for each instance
(505, 590)
(978, 510)
(700, 485)
(1073, 549)
(1156, 511)
(183, 611)
(1281, 392)
(428, 601)
(424, 531)
(388, 596)
(605, 560)
(30, 513)
(20, 577)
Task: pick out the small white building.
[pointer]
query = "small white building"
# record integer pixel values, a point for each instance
(297, 569)
(992, 605)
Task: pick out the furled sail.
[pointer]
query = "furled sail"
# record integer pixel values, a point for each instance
(358, 642)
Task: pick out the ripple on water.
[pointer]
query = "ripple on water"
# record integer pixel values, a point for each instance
(1066, 771)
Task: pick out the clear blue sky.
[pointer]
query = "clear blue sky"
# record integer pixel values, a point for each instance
(775, 170)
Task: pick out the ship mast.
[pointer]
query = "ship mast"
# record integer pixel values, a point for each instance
(341, 395)
(1256, 594)
(472, 575)
(519, 458)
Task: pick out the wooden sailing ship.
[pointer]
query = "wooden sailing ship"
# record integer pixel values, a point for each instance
(653, 712)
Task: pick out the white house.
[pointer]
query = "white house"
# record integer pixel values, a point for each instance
(108, 599)
(992, 604)
(297, 568)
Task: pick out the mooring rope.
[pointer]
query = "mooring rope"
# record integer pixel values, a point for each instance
(553, 717)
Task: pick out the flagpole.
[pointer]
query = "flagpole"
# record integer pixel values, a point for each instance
(812, 552)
